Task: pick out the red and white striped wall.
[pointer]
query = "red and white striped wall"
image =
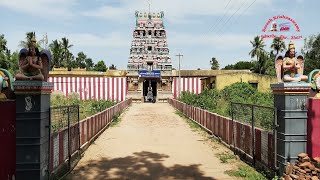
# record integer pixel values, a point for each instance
(80, 135)
(235, 134)
(191, 84)
(112, 88)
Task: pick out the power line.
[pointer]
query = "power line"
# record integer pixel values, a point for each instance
(216, 24)
(219, 31)
(218, 20)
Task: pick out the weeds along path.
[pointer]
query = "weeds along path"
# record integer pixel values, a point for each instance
(152, 142)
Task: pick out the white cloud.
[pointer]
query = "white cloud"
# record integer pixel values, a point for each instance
(41, 8)
(106, 12)
(222, 42)
(177, 11)
(111, 40)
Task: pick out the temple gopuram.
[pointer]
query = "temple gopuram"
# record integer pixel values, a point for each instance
(149, 69)
(149, 76)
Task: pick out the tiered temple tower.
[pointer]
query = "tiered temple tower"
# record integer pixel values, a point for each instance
(149, 48)
(149, 64)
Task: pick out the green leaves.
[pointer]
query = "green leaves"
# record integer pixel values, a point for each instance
(214, 64)
(220, 101)
(100, 66)
(312, 53)
(87, 107)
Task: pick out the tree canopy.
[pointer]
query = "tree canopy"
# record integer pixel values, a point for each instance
(311, 52)
(214, 64)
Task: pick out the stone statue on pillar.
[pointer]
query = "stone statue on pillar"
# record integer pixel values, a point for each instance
(33, 65)
(289, 68)
(32, 92)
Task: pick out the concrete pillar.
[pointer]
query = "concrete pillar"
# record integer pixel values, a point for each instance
(32, 129)
(290, 100)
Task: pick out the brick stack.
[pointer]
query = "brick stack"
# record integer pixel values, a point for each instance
(305, 168)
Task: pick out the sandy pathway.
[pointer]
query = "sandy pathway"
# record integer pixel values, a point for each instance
(150, 142)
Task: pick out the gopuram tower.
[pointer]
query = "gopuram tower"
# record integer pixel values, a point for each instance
(149, 65)
(149, 49)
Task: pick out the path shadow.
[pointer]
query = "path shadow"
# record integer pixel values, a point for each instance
(141, 165)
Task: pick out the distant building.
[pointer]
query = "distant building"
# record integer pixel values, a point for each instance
(220, 81)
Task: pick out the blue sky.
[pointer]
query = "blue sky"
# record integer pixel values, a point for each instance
(199, 30)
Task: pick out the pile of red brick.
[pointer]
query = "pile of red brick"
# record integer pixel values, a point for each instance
(305, 168)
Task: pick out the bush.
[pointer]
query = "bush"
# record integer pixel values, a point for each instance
(87, 108)
(220, 102)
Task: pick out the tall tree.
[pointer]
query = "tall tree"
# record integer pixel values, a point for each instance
(13, 62)
(27, 42)
(311, 53)
(56, 50)
(100, 66)
(89, 64)
(278, 45)
(7, 60)
(81, 60)
(113, 67)
(3, 43)
(257, 50)
(5, 54)
(214, 64)
(66, 54)
(265, 64)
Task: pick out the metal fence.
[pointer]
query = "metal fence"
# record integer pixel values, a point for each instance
(64, 122)
(249, 117)
(62, 117)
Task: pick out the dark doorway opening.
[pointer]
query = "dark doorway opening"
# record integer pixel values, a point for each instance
(150, 90)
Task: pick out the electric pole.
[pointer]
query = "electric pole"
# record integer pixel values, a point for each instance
(179, 90)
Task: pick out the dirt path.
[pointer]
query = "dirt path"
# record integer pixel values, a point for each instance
(151, 142)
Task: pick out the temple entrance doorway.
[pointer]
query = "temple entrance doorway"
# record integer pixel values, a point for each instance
(150, 90)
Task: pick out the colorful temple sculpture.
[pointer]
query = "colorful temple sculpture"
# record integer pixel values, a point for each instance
(314, 80)
(289, 68)
(149, 65)
(33, 65)
(6, 88)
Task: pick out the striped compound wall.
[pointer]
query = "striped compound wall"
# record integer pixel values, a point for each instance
(112, 88)
(61, 148)
(191, 84)
(222, 127)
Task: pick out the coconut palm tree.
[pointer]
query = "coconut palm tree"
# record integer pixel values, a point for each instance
(278, 45)
(257, 50)
(56, 50)
(66, 54)
(27, 43)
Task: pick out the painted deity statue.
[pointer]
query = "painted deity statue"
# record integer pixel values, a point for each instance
(6, 88)
(33, 65)
(290, 68)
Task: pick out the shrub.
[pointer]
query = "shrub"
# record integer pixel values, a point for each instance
(220, 102)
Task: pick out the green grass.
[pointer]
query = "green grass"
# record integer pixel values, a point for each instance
(246, 172)
(226, 157)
